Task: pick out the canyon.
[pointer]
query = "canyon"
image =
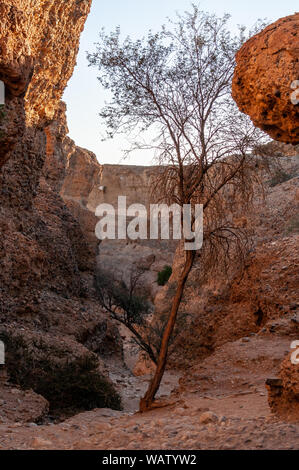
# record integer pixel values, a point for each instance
(230, 383)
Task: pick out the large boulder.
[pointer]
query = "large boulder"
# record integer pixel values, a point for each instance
(266, 79)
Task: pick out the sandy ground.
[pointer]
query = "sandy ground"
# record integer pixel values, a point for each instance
(219, 404)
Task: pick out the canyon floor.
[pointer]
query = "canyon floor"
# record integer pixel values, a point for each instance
(223, 409)
(213, 400)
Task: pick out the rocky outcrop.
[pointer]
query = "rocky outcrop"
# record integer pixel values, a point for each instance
(21, 406)
(283, 393)
(46, 262)
(267, 66)
(83, 176)
(266, 87)
(39, 42)
(34, 66)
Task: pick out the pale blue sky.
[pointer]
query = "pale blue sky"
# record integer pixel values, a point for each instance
(84, 96)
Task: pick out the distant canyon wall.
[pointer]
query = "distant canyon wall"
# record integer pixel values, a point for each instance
(91, 183)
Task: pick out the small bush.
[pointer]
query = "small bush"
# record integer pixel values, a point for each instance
(293, 225)
(280, 177)
(164, 275)
(69, 384)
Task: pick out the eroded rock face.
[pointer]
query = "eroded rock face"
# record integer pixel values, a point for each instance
(267, 66)
(283, 393)
(46, 262)
(39, 41)
(83, 175)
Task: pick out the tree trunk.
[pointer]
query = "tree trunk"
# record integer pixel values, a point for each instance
(147, 401)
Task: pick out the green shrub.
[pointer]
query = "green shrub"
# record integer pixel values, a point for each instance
(293, 225)
(70, 385)
(164, 275)
(280, 177)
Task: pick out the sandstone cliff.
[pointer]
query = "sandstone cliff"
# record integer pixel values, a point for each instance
(265, 86)
(267, 66)
(39, 41)
(46, 263)
(91, 183)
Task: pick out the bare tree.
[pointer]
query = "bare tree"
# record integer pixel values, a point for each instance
(122, 302)
(174, 87)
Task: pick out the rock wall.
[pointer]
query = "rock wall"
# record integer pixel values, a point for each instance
(91, 183)
(35, 68)
(260, 306)
(267, 65)
(283, 393)
(39, 41)
(46, 262)
(88, 184)
(72, 172)
(266, 87)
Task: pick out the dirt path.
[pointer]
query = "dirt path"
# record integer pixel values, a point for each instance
(220, 404)
(132, 388)
(180, 427)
